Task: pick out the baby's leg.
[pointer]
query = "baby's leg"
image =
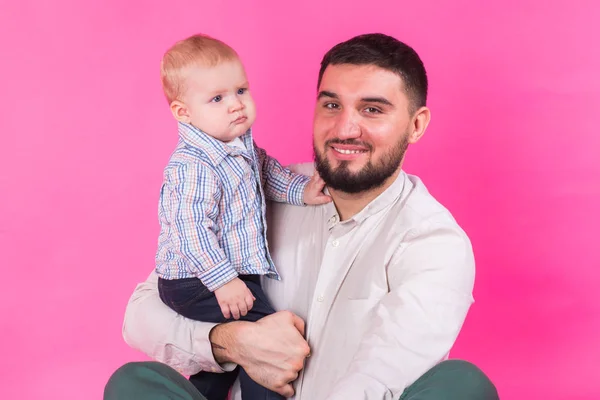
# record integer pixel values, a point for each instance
(261, 308)
(214, 386)
(190, 298)
(253, 391)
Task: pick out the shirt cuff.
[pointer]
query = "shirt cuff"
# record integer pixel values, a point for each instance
(204, 356)
(295, 193)
(218, 275)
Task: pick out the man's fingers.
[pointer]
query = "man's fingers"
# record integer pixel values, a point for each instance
(286, 391)
(298, 323)
(293, 376)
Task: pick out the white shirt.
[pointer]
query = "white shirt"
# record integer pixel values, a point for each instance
(384, 295)
(237, 142)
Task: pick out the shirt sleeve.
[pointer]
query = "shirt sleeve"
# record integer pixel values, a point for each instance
(415, 325)
(279, 183)
(196, 193)
(154, 329)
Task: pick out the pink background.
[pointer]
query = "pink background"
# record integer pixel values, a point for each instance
(85, 133)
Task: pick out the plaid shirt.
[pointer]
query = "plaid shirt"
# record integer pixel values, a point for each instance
(212, 209)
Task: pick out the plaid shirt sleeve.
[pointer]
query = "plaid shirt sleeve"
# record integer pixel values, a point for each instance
(279, 183)
(198, 192)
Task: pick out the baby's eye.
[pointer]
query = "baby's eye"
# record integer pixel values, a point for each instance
(242, 90)
(217, 99)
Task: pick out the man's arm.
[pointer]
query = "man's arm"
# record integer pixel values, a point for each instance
(272, 350)
(279, 183)
(154, 329)
(415, 325)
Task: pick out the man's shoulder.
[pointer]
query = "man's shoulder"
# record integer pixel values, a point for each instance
(307, 168)
(433, 234)
(422, 209)
(280, 213)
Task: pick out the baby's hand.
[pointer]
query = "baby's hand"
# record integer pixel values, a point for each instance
(235, 299)
(313, 193)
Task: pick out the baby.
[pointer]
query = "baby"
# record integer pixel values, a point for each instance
(212, 246)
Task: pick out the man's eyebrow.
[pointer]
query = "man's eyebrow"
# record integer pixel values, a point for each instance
(380, 100)
(325, 93)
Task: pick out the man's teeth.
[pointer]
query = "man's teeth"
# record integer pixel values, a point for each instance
(348, 151)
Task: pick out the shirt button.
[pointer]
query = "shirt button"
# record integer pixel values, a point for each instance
(320, 299)
(335, 243)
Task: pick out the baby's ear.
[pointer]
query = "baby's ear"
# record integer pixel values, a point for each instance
(180, 112)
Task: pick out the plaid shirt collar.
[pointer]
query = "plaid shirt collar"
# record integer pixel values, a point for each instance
(216, 150)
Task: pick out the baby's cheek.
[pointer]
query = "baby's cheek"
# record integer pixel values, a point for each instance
(251, 110)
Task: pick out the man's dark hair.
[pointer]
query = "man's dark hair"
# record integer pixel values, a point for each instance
(385, 52)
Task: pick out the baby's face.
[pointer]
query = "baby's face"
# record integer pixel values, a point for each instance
(218, 100)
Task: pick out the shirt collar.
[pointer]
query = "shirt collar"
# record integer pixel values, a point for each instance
(385, 199)
(215, 149)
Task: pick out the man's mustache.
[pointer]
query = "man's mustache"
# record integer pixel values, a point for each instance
(348, 142)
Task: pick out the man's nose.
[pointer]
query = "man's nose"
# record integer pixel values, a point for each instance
(347, 126)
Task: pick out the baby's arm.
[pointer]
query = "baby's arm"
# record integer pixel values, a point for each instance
(284, 186)
(194, 195)
(235, 299)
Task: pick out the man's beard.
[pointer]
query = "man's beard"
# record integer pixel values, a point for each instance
(371, 176)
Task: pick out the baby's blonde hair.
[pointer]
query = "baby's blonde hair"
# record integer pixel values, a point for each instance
(196, 50)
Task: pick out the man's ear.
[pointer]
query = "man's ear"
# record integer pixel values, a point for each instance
(420, 121)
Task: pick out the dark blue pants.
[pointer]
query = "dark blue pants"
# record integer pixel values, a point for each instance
(190, 298)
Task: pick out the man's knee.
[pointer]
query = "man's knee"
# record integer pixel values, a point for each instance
(472, 382)
(125, 380)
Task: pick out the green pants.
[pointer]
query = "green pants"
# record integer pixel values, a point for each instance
(449, 380)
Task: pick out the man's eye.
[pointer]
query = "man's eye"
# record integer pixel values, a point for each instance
(217, 99)
(331, 106)
(372, 110)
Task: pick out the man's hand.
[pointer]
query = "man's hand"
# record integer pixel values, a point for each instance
(235, 299)
(272, 350)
